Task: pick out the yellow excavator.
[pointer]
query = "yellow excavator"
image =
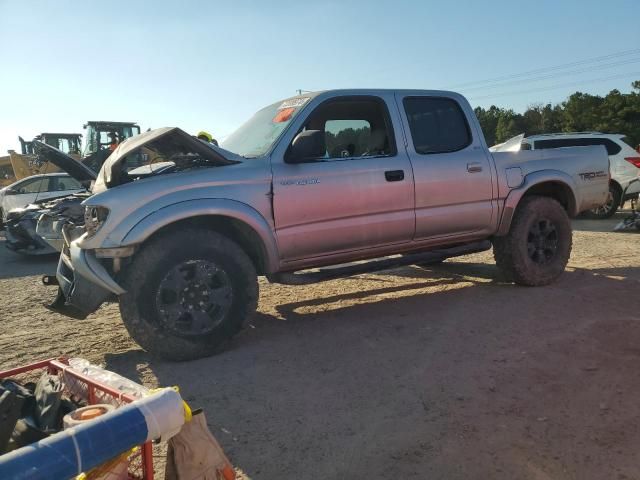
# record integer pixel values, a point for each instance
(26, 163)
(101, 138)
(6, 171)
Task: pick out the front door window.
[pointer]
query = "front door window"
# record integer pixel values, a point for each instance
(353, 128)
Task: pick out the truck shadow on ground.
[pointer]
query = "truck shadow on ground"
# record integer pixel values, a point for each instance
(27, 266)
(474, 280)
(451, 352)
(440, 276)
(14, 265)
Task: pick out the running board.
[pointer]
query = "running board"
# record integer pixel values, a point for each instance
(323, 275)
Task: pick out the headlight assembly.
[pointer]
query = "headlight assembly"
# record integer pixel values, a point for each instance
(94, 217)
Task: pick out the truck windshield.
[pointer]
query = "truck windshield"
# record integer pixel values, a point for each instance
(255, 137)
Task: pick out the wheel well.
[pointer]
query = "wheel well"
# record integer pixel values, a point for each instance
(619, 189)
(616, 185)
(556, 190)
(241, 233)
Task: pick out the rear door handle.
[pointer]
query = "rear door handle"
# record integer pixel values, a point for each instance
(394, 175)
(474, 167)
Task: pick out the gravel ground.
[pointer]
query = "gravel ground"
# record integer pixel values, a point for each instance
(440, 373)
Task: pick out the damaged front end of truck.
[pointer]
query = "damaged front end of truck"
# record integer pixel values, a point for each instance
(88, 278)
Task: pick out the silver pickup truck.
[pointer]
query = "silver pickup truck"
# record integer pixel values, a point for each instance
(372, 179)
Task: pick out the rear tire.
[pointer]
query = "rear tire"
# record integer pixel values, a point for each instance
(537, 248)
(187, 293)
(610, 207)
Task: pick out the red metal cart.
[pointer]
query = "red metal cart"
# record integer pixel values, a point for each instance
(93, 392)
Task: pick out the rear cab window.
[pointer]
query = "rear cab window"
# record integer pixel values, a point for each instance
(437, 124)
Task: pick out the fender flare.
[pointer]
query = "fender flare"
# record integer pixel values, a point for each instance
(231, 209)
(531, 180)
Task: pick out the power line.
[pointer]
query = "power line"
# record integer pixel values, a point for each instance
(554, 87)
(550, 69)
(554, 75)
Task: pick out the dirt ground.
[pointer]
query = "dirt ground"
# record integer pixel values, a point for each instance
(441, 373)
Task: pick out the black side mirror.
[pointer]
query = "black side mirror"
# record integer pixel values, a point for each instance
(10, 191)
(307, 146)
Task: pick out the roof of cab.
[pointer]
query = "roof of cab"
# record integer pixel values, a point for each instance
(373, 91)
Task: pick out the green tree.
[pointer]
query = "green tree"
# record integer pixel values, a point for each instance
(488, 122)
(614, 113)
(509, 125)
(620, 113)
(552, 117)
(581, 112)
(532, 120)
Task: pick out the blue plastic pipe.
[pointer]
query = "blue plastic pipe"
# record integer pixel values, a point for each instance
(83, 447)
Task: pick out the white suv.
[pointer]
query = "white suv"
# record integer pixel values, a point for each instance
(624, 162)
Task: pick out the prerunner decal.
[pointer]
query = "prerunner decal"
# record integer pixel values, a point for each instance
(293, 103)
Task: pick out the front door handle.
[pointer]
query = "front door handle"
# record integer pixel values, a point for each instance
(474, 167)
(394, 175)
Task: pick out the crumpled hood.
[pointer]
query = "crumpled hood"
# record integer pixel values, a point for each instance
(165, 142)
(64, 162)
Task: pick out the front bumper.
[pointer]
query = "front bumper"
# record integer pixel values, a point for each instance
(84, 283)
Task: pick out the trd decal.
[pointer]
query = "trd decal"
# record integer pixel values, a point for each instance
(592, 175)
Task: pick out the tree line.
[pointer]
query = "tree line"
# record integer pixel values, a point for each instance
(616, 112)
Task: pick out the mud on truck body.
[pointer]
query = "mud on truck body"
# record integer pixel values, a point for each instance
(320, 179)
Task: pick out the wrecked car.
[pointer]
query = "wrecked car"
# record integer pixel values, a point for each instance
(35, 188)
(36, 228)
(20, 232)
(320, 179)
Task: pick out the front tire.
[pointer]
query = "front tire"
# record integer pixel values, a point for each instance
(187, 293)
(537, 248)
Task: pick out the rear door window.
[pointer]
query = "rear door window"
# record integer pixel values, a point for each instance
(65, 183)
(35, 186)
(612, 147)
(438, 125)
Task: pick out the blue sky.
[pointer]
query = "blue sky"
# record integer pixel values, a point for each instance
(209, 65)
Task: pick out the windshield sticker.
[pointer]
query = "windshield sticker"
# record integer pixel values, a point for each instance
(293, 103)
(284, 115)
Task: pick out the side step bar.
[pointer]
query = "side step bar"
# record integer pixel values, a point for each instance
(323, 275)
